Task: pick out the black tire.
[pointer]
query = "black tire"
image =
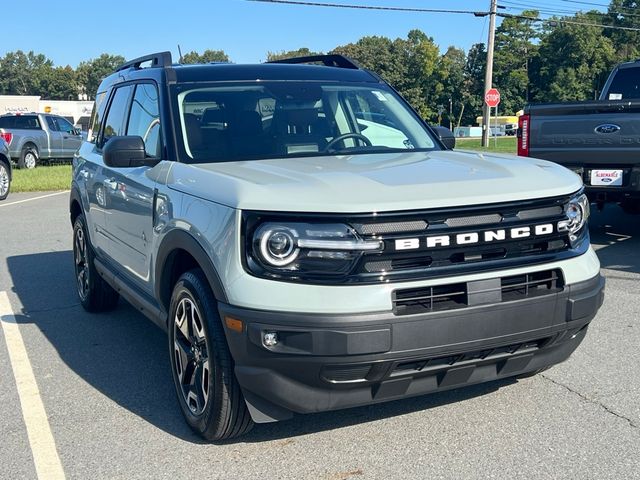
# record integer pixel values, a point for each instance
(28, 157)
(632, 207)
(5, 180)
(95, 294)
(208, 392)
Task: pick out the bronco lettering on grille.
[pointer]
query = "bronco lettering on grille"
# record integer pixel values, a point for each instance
(473, 238)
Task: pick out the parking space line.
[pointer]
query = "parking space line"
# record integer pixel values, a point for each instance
(34, 198)
(43, 447)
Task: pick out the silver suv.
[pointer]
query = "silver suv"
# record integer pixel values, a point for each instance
(310, 244)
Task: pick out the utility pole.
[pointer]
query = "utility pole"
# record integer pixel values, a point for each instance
(488, 78)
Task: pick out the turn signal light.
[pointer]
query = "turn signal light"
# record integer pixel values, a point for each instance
(234, 324)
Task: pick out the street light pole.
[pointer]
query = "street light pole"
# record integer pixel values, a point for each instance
(488, 78)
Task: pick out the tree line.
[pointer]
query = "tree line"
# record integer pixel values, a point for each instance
(560, 59)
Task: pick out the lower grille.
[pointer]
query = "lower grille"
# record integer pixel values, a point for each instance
(453, 296)
(376, 372)
(345, 373)
(437, 363)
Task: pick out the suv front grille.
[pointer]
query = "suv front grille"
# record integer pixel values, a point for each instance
(423, 261)
(458, 295)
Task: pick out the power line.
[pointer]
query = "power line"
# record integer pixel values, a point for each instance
(372, 7)
(568, 22)
(604, 6)
(546, 9)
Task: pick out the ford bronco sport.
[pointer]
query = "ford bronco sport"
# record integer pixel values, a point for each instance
(310, 244)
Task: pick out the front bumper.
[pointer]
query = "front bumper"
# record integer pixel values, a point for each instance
(328, 362)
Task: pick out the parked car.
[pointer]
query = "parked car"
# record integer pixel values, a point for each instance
(511, 129)
(5, 169)
(37, 137)
(599, 140)
(303, 258)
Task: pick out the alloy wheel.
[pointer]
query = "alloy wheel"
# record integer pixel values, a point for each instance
(4, 180)
(191, 355)
(81, 263)
(30, 160)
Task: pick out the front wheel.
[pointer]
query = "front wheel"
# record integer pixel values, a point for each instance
(5, 181)
(202, 367)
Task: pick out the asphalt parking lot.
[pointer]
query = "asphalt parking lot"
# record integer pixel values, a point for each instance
(105, 384)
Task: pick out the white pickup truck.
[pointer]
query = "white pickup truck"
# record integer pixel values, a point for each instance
(36, 137)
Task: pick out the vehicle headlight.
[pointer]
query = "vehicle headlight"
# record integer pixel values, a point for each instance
(299, 249)
(277, 245)
(577, 211)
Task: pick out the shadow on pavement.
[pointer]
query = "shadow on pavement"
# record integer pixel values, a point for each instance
(616, 237)
(124, 356)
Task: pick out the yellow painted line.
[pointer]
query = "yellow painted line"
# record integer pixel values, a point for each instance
(43, 446)
(32, 199)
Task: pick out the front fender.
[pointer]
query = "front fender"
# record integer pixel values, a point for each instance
(174, 241)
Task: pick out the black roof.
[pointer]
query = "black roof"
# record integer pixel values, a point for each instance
(333, 68)
(269, 71)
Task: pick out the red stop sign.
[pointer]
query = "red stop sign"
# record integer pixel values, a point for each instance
(492, 97)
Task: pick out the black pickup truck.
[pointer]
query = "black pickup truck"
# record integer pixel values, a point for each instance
(599, 140)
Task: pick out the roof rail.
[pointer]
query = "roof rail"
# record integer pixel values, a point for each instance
(159, 60)
(332, 60)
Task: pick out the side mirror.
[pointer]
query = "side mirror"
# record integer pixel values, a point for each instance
(76, 130)
(446, 137)
(122, 152)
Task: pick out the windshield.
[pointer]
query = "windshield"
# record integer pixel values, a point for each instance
(293, 119)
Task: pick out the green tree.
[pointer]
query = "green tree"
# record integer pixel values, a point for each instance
(407, 64)
(300, 52)
(450, 78)
(91, 72)
(513, 53)
(624, 13)
(208, 56)
(573, 61)
(59, 83)
(23, 73)
(472, 90)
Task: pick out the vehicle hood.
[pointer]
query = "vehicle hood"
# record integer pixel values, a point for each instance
(374, 182)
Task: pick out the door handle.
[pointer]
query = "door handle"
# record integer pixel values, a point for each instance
(111, 183)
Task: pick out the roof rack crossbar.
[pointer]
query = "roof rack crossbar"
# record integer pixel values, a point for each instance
(332, 60)
(158, 60)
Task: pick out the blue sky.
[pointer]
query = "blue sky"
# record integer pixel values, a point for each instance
(69, 32)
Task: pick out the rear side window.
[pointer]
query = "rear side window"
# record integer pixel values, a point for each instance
(22, 122)
(97, 116)
(144, 120)
(114, 124)
(625, 85)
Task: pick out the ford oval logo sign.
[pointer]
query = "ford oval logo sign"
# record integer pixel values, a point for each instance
(607, 128)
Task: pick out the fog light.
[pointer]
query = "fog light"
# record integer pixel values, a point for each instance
(270, 339)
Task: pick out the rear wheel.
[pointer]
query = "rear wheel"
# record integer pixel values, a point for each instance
(5, 182)
(95, 294)
(28, 157)
(202, 367)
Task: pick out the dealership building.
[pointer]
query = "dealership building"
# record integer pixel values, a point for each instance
(76, 111)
